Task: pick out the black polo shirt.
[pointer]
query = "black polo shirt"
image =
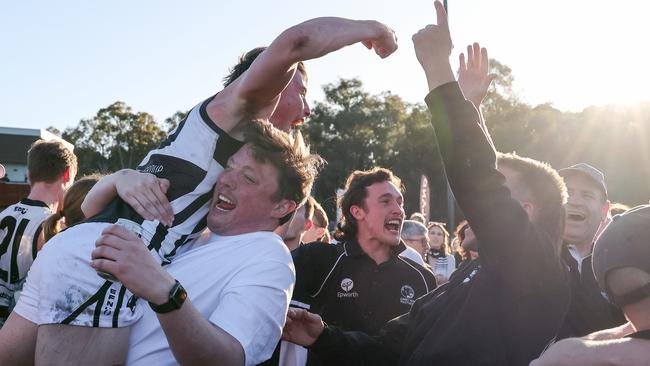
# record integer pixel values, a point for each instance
(348, 289)
(342, 284)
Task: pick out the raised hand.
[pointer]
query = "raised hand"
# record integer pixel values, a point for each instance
(433, 47)
(385, 43)
(473, 76)
(302, 327)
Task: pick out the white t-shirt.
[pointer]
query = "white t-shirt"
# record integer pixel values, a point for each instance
(241, 283)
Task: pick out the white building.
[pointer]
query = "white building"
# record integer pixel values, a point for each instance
(14, 144)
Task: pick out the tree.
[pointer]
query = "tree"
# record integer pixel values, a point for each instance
(354, 130)
(171, 122)
(115, 138)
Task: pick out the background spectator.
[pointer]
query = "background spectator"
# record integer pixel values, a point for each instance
(439, 256)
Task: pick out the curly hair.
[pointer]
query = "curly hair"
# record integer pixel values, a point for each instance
(356, 191)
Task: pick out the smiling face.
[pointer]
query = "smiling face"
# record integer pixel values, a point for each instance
(243, 197)
(292, 108)
(586, 208)
(382, 214)
(436, 237)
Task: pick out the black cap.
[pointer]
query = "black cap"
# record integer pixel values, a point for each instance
(625, 242)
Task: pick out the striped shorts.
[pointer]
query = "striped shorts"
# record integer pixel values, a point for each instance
(62, 287)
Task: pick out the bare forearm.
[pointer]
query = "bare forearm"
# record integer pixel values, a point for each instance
(438, 73)
(274, 68)
(195, 341)
(101, 194)
(320, 36)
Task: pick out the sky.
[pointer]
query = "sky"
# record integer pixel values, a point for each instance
(62, 61)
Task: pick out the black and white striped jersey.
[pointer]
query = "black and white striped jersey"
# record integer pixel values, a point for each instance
(191, 158)
(20, 226)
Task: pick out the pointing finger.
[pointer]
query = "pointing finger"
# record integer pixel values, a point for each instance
(441, 15)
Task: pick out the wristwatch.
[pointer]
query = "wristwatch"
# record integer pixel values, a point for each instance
(177, 296)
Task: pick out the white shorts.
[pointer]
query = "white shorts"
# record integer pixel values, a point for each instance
(62, 287)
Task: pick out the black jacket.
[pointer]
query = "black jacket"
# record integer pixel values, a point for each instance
(589, 311)
(502, 309)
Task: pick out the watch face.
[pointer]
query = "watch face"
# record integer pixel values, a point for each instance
(179, 296)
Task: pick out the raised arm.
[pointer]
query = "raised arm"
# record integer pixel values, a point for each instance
(256, 91)
(474, 79)
(473, 74)
(470, 159)
(433, 48)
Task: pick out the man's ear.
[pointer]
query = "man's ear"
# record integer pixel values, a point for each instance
(308, 225)
(605, 211)
(529, 208)
(66, 174)
(357, 212)
(283, 208)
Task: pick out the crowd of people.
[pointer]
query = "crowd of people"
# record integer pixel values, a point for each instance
(212, 251)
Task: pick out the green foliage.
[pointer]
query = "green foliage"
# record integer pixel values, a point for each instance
(614, 139)
(115, 138)
(354, 130)
(170, 123)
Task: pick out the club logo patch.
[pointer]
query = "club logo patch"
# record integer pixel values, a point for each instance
(347, 284)
(408, 294)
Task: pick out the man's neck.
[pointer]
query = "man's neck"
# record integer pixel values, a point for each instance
(584, 249)
(376, 250)
(47, 193)
(292, 243)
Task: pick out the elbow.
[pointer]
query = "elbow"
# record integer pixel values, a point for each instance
(295, 40)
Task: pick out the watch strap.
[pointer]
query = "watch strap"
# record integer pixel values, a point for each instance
(175, 300)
